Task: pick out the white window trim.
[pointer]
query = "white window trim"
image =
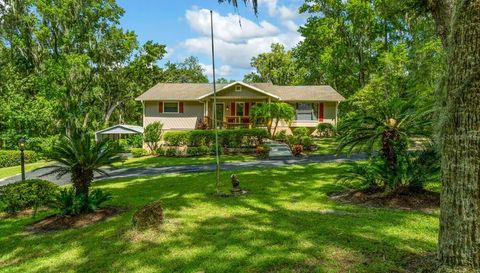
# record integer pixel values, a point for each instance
(178, 107)
(238, 88)
(236, 108)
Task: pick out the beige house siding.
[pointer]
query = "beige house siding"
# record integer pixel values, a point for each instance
(192, 112)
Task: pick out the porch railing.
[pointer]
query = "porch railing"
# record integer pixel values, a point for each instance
(229, 122)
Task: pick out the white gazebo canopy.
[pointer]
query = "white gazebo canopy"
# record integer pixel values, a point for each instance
(117, 131)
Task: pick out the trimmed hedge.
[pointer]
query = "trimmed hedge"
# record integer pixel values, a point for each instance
(231, 138)
(138, 152)
(9, 158)
(26, 194)
(177, 138)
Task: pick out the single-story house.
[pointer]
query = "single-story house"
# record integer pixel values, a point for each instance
(186, 106)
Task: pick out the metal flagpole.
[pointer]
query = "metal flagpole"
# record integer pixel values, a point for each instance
(217, 183)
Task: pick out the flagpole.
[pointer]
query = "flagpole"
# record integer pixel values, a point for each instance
(217, 156)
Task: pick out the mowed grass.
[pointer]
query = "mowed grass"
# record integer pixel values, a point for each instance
(325, 146)
(11, 171)
(285, 223)
(161, 161)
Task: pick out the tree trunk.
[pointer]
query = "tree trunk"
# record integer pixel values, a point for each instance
(389, 152)
(81, 181)
(459, 238)
(109, 113)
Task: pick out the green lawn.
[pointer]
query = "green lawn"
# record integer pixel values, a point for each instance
(285, 224)
(153, 161)
(325, 146)
(11, 171)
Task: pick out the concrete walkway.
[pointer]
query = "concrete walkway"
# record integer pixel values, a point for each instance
(144, 171)
(279, 150)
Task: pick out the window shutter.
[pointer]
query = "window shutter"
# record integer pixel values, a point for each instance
(320, 111)
(247, 109)
(160, 106)
(232, 109)
(180, 107)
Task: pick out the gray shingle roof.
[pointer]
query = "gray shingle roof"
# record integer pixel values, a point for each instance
(194, 91)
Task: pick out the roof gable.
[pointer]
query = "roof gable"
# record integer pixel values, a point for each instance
(229, 87)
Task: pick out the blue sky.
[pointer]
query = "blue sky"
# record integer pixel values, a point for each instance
(184, 26)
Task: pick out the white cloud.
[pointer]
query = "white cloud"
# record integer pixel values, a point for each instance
(281, 11)
(270, 4)
(235, 44)
(228, 28)
(169, 53)
(239, 55)
(287, 13)
(222, 71)
(291, 25)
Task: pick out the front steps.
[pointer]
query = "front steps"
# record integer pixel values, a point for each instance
(279, 150)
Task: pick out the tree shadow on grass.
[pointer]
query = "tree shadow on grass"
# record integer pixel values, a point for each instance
(285, 223)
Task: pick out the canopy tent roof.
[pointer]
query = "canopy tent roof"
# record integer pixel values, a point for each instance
(120, 129)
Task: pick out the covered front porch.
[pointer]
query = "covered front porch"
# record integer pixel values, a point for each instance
(234, 103)
(230, 113)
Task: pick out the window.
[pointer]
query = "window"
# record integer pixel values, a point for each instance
(239, 109)
(170, 107)
(304, 106)
(238, 88)
(305, 111)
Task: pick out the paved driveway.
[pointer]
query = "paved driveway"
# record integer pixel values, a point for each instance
(143, 171)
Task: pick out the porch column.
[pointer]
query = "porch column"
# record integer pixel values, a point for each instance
(336, 112)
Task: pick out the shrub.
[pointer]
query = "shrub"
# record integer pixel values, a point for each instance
(227, 138)
(306, 142)
(177, 138)
(203, 150)
(421, 167)
(42, 145)
(301, 131)
(120, 145)
(326, 130)
(212, 150)
(192, 151)
(282, 136)
(364, 175)
(160, 151)
(96, 198)
(201, 137)
(297, 149)
(153, 135)
(68, 203)
(138, 152)
(123, 145)
(301, 137)
(9, 158)
(22, 195)
(135, 141)
(171, 152)
(262, 151)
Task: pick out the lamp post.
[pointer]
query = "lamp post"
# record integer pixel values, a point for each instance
(21, 146)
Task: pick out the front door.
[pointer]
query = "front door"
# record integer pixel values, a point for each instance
(219, 115)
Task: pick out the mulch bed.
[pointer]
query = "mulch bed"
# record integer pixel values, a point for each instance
(422, 200)
(62, 222)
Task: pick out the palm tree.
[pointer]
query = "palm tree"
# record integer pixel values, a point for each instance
(271, 114)
(235, 3)
(390, 127)
(81, 157)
